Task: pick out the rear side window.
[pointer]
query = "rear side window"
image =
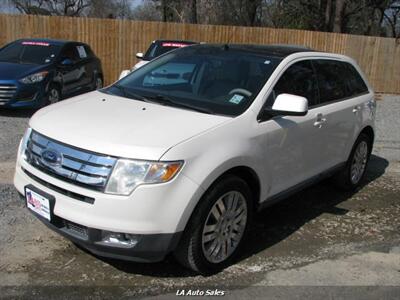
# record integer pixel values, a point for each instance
(331, 82)
(300, 80)
(89, 51)
(338, 80)
(355, 83)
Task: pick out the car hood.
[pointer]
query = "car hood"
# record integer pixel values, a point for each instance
(119, 126)
(12, 71)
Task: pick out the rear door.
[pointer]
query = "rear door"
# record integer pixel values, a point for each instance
(342, 94)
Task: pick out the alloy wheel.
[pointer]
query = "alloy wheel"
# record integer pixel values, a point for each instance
(224, 227)
(54, 96)
(359, 162)
(99, 83)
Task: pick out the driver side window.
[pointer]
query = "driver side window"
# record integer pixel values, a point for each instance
(300, 80)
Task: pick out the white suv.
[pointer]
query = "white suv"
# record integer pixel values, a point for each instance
(179, 155)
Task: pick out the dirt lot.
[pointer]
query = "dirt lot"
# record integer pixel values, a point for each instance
(320, 237)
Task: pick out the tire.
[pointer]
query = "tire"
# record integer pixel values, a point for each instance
(53, 95)
(201, 249)
(352, 175)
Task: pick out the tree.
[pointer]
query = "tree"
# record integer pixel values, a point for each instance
(52, 7)
(147, 11)
(120, 9)
(392, 18)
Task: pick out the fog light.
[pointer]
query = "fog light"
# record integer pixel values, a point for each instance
(116, 239)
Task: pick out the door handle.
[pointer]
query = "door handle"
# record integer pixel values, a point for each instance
(320, 121)
(356, 109)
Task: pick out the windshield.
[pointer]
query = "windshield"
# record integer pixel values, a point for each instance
(28, 52)
(157, 49)
(209, 79)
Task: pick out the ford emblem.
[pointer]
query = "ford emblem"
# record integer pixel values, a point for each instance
(51, 157)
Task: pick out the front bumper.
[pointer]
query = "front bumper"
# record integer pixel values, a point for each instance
(149, 248)
(155, 213)
(22, 95)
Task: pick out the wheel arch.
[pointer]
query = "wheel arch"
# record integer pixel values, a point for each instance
(246, 173)
(369, 131)
(250, 177)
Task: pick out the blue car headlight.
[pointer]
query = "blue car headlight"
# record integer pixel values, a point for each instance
(34, 78)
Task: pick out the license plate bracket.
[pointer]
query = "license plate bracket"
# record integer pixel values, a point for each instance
(39, 202)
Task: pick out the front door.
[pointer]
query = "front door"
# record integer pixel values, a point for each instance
(293, 145)
(72, 73)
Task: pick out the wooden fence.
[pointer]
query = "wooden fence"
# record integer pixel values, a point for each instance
(117, 41)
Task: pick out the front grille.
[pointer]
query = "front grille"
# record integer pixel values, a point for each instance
(77, 166)
(7, 92)
(77, 229)
(65, 192)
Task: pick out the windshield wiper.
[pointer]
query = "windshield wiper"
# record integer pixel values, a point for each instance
(163, 99)
(129, 94)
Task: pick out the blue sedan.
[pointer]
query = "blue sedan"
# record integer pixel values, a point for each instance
(38, 72)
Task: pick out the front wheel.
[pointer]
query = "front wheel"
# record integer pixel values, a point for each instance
(218, 226)
(98, 83)
(53, 95)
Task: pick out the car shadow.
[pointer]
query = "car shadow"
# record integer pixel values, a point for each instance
(271, 225)
(17, 113)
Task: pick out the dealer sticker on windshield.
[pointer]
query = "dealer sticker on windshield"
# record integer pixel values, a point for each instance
(236, 99)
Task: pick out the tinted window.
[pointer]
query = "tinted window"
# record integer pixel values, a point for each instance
(29, 52)
(331, 80)
(89, 51)
(71, 52)
(338, 80)
(222, 81)
(355, 83)
(159, 48)
(300, 80)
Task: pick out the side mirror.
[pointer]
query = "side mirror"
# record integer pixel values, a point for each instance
(139, 55)
(67, 62)
(286, 105)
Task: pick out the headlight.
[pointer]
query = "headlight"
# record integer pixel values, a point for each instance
(128, 174)
(24, 142)
(37, 77)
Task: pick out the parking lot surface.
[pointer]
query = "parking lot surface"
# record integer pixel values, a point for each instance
(319, 237)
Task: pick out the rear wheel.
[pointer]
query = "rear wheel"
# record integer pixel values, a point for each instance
(216, 230)
(351, 177)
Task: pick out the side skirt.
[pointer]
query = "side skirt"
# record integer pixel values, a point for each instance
(300, 186)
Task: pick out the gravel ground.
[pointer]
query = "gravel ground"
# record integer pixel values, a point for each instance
(387, 142)
(318, 238)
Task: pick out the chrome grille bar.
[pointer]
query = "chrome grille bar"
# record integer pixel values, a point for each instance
(8, 87)
(76, 166)
(7, 92)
